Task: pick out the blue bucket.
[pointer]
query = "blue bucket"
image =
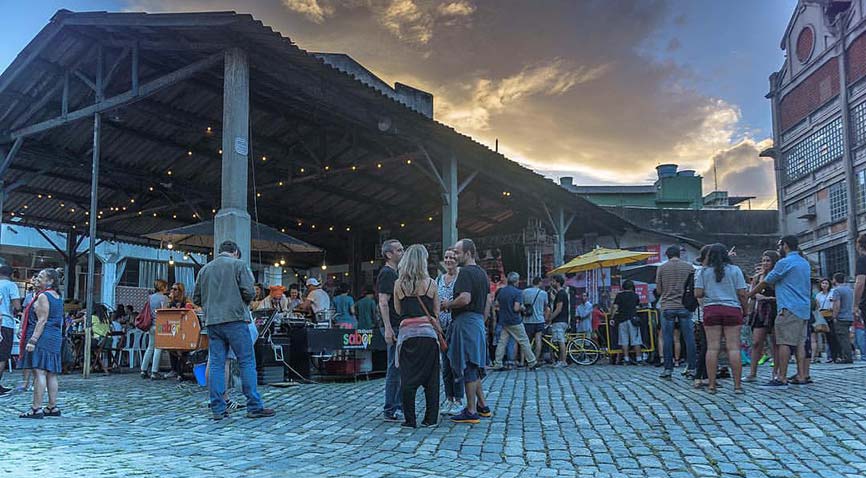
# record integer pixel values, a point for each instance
(199, 371)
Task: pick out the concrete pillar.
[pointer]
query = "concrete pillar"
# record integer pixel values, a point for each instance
(109, 281)
(232, 221)
(778, 163)
(559, 237)
(449, 204)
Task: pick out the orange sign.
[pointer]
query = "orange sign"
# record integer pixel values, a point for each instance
(177, 329)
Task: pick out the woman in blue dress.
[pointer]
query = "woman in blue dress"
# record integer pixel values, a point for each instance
(43, 324)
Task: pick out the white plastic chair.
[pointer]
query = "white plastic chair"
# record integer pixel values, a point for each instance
(133, 346)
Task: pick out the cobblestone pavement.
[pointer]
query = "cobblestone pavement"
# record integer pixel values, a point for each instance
(590, 421)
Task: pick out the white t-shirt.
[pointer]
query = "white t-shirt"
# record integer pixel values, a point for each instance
(8, 293)
(319, 300)
(724, 292)
(825, 301)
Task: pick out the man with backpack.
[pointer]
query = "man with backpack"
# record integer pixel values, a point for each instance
(675, 285)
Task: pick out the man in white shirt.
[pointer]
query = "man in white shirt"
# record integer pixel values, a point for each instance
(584, 315)
(10, 304)
(317, 299)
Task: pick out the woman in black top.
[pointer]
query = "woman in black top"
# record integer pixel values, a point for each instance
(416, 300)
(624, 310)
(762, 314)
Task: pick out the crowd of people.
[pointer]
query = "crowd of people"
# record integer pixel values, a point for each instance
(453, 328)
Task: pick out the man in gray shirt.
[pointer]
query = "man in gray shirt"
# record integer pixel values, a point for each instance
(843, 317)
(224, 289)
(535, 311)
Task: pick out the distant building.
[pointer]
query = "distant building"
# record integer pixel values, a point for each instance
(819, 130)
(673, 189)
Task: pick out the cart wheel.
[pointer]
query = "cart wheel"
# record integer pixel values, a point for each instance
(583, 351)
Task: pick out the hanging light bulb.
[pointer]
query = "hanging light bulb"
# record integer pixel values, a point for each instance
(171, 261)
(185, 256)
(282, 262)
(276, 264)
(170, 246)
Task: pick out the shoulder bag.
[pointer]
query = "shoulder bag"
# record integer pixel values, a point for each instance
(443, 344)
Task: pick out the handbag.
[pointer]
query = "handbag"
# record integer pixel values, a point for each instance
(820, 325)
(443, 344)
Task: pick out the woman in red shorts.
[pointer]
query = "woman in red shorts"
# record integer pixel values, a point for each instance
(723, 288)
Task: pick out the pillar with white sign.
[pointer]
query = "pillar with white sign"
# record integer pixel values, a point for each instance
(232, 221)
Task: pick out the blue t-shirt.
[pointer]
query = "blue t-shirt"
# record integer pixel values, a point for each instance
(8, 293)
(506, 298)
(791, 280)
(343, 305)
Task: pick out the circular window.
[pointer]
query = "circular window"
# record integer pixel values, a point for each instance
(805, 43)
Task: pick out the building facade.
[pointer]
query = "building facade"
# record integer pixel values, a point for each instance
(818, 102)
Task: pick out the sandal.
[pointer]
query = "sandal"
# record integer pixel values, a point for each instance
(711, 390)
(739, 391)
(51, 412)
(33, 413)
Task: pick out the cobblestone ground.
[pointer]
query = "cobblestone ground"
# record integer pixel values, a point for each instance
(591, 421)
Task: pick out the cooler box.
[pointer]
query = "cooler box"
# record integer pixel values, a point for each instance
(177, 329)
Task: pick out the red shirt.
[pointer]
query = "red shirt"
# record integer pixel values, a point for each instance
(597, 318)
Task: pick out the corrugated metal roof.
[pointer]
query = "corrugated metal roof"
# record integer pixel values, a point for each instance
(304, 114)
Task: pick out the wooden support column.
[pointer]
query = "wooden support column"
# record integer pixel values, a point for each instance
(848, 143)
(449, 204)
(94, 213)
(71, 259)
(232, 221)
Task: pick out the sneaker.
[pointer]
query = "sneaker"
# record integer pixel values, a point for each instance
(429, 425)
(221, 416)
(145, 375)
(775, 384)
(465, 417)
(451, 407)
(750, 378)
(408, 425)
(689, 373)
(171, 374)
(485, 412)
(763, 359)
(391, 417)
(558, 365)
(666, 374)
(4, 390)
(631, 362)
(263, 413)
(793, 380)
(231, 405)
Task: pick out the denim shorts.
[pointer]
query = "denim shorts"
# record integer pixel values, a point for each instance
(629, 334)
(557, 330)
(532, 329)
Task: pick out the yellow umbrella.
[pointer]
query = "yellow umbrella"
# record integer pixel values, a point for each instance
(601, 257)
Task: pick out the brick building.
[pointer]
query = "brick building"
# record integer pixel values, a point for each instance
(819, 129)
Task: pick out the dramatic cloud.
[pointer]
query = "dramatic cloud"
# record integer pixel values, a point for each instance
(312, 9)
(493, 96)
(743, 173)
(585, 89)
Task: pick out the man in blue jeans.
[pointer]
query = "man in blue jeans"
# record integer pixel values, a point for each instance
(392, 251)
(224, 289)
(671, 278)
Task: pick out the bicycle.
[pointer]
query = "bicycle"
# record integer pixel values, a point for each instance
(579, 347)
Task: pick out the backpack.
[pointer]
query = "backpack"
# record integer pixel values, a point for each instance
(143, 320)
(690, 302)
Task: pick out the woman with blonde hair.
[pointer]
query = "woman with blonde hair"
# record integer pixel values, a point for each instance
(416, 300)
(157, 300)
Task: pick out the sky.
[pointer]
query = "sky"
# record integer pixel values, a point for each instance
(601, 90)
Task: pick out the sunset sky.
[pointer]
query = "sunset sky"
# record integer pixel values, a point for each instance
(600, 90)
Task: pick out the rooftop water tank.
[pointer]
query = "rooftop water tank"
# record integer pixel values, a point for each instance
(687, 172)
(666, 170)
(566, 181)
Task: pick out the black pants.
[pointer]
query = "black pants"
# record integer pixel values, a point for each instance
(178, 361)
(701, 360)
(419, 366)
(840, 340)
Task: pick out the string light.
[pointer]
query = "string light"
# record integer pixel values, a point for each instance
(302, 170)
(379, 228)
(220, 151)
(62, 205)
(132, 201)
(348, 229)
(313, 226)
(300, 224)
(264, 158)
(402, 224)
(258, 195)
(174, 216)
(209, 130)
(39, 196)
(276, 264)
(170, 246)
(408, 161)
(189, 153)
(379, 165)
(49, 196)
(280, 184)
(327, 168)
(331, 228)
(430, 218)
(25, 206)
(282, 262)
(185, 256)
(171, 261)
(169, 172)
(154, 214)
(283, 229)
(150, 188)
(354, 168)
